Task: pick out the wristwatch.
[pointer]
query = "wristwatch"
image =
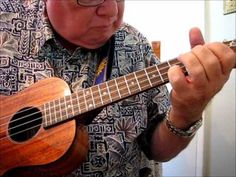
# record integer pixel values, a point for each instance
(186, 133)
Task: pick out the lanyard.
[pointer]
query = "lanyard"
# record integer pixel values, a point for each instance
(101, 73)
(104, 69)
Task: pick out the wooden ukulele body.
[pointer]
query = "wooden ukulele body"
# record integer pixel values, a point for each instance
(50, 152)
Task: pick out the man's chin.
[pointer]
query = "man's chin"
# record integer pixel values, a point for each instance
(95, 44)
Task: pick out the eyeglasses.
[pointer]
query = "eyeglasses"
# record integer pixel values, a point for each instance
(92, 3)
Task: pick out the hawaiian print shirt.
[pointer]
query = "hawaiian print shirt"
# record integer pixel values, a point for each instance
(30, 52)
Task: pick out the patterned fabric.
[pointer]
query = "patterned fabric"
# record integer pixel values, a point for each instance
(30, 52)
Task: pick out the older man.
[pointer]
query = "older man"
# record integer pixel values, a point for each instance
(85, 42)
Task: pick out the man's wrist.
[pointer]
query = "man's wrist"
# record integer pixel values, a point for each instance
(182, 132)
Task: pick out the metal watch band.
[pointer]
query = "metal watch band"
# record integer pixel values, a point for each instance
(186, 133)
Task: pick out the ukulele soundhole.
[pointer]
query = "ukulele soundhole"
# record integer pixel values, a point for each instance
(25, 124)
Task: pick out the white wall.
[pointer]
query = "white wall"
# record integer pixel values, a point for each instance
(220, 125)
(166, 20)
(169, 22)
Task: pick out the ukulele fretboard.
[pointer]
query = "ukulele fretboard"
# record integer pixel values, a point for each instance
(108, 92)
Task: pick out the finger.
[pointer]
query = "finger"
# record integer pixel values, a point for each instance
(195, 37)
(225, 55)
(177, 78)
(209, 62)
(196, 72)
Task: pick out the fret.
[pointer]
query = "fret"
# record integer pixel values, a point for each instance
(132, 83)
(81, 101)
(46, 114)
(127, 84)
(57, 110)
(142, 80)
(78, 102)
(63, 108)
(159, 73)
(112, 87)
(100, 94)
(168, 63)
(109, 93)
(49, 121)
(177, 62)
(88, 99)
(75, 104)
(123, 87)
(71, 105)
(113, 92)
(152, 75)
(173, 62)
(86, 106)
(163, 68)
(137, 81)
(68, 106)
(51, 112)
(91, 92)
(150, 83)
(117, 88)
(96, 95)
(54, 117)
(106, 97)
(60, 111)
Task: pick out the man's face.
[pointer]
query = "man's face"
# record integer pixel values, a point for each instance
(89, 27)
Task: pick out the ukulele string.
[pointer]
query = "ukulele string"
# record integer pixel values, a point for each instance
(28, 109)
(231, 45)
(141, 76)
(38, 112)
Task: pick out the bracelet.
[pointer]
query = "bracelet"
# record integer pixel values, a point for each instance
(186, 133)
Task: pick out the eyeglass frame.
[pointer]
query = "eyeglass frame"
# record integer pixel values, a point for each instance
(99, 2)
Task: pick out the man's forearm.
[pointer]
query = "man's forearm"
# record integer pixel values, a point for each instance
(165, 144)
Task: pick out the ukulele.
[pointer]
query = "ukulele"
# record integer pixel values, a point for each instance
(41, 133)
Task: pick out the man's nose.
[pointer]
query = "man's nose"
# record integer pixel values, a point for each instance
(108, 8)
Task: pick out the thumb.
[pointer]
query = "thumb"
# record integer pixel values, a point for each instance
(195, 37)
